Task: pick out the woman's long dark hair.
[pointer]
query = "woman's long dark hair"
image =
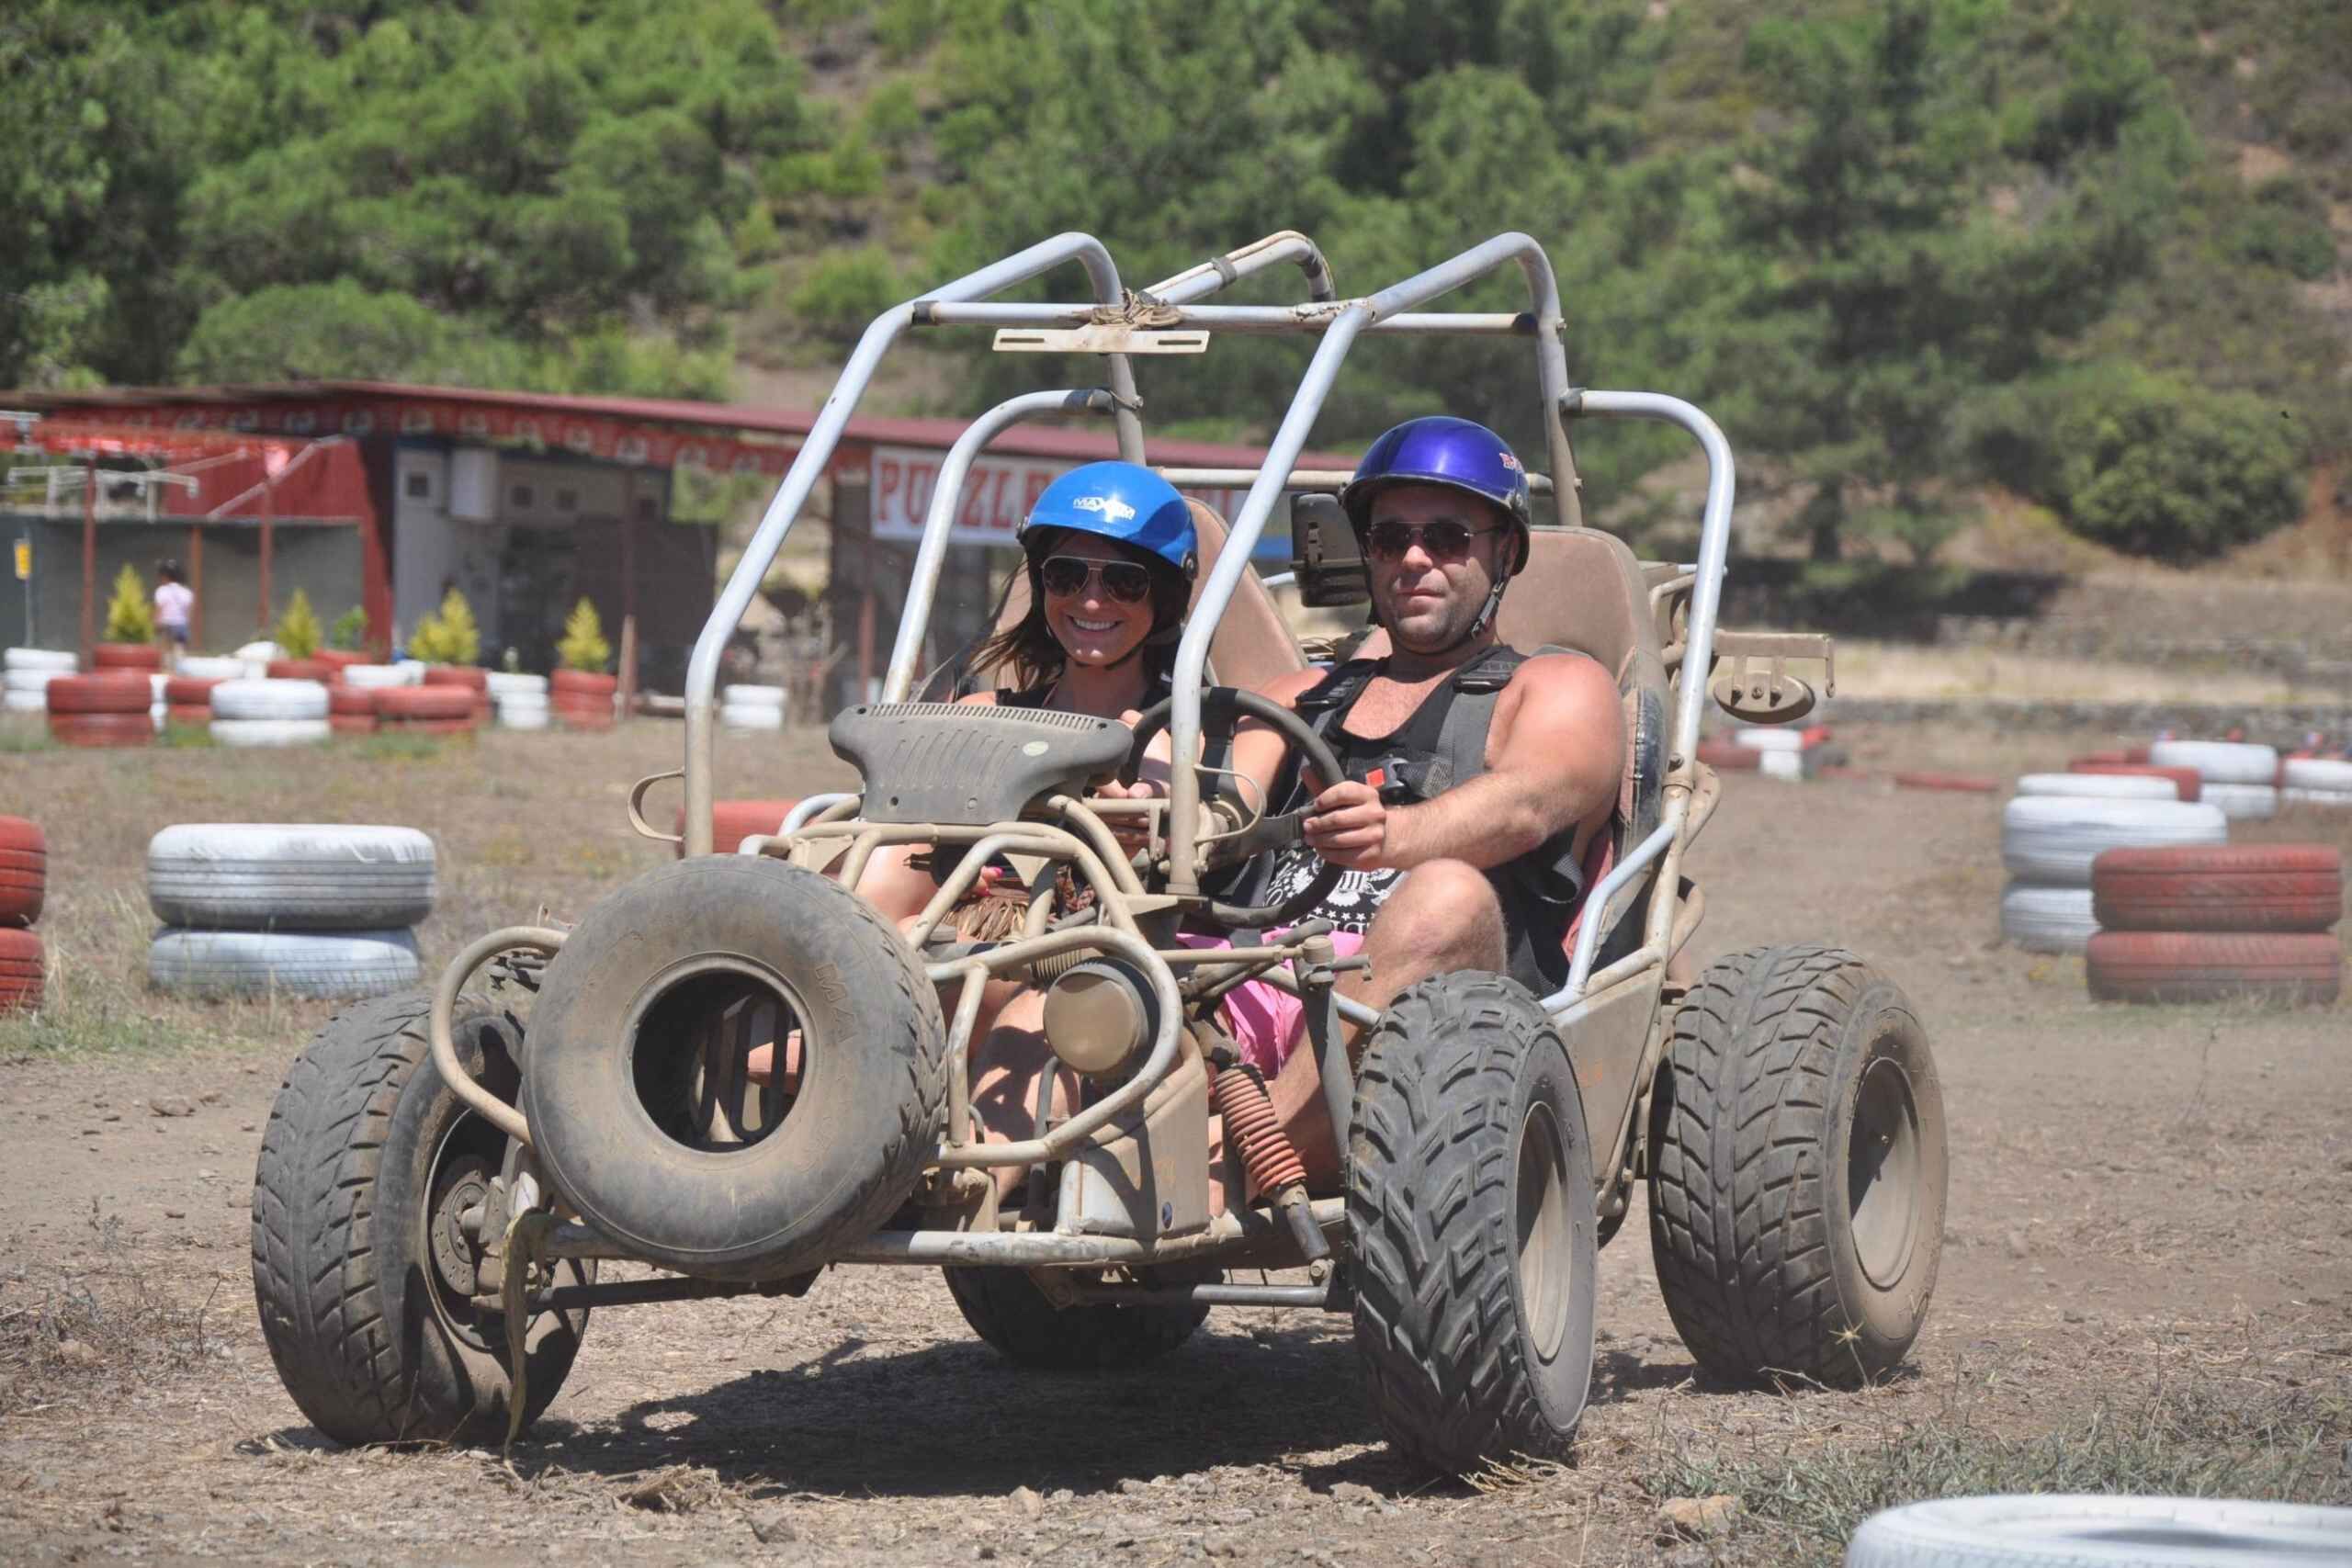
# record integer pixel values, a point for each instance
(1035, 656)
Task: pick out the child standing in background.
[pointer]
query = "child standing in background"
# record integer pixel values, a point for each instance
(173, 599)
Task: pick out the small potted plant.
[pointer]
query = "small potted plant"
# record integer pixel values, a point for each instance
(347, 642)
(131, 627)
(449, 642)
(580, 692)
(297, 634)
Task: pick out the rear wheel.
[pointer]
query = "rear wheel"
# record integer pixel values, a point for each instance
(1797, 1169)
(363, 1274)
(1006, 1308)
(1471, 1228)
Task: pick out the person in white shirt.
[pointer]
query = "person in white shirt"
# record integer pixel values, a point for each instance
(172, 601)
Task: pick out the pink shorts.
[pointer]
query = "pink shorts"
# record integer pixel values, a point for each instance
(1266, 1022)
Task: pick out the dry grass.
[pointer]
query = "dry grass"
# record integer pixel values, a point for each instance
(99, 1324)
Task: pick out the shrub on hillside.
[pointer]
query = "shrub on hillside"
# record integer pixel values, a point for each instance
(2147, 463)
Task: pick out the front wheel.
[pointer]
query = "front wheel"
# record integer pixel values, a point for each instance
(1797, 1169)
(364, 1277)
(1470, 1221)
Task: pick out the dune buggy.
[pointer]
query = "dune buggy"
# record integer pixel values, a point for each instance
(443, 1175)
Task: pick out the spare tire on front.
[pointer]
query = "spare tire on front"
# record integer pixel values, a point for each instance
(635, 1086)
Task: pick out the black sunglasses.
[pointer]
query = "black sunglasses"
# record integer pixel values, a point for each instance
(1122, 579)
(1445, 540)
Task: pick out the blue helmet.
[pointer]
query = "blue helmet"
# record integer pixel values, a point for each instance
(1121, 501)
(1453, 454)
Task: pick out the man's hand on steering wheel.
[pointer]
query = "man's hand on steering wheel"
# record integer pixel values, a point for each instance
(1348, 825)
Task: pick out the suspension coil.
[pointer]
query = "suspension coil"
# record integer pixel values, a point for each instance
(1248, 1112)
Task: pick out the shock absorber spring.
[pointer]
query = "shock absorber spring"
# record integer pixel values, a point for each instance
(1248, 1112)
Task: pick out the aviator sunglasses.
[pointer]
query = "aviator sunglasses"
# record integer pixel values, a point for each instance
(1445, 540)
(1122, 579)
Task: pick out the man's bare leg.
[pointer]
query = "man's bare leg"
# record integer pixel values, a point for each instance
(1443, 917)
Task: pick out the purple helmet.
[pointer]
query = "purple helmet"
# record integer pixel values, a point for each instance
(1453, 454)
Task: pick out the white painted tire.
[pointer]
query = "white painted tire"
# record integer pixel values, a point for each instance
(269, 699)
(2219, 761)
(2044, 918)
(2337, 800)
(2315, 772)
(302, 964)
(519, 699)
(751, 697)
(1787, 766)
(208, 667)
(2098, 786)
(18, 700)
(51, 659)
(34, 680)
(411, 670)
(502, 684)
(2242, 802)
(522, 719)
(1756, 738)
(298, 875)
(2052, 838)
(750, 719)
(2101, 1532)
(260, 653)
(245, 732)
(158, 712)
(374, 677)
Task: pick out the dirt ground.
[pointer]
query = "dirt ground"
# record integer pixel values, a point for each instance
(2145, 1265)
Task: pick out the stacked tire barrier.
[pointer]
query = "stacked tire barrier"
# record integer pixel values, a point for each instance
(24, 883)
(2323, 782)
(442, 710)
(2200, 923)
(2048, 843)
(2243, 779)
(270, 713)
(311, 910)
(1776, 753)
(732, 822)
(469, 677)
(27, 673)
(582, 699)
(111, 708)
(751, 709)
(351, 710)
(521, 700)
(2100, 1530)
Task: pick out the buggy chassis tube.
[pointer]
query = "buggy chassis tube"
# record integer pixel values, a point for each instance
(488, 1106)
(1218, 272)
(1032, 1249)
(817, 453)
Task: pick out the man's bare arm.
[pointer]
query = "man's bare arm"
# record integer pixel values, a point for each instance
(1554, 762)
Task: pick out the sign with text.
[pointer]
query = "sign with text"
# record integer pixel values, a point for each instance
(997, 493)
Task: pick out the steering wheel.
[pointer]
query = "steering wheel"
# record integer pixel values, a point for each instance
(1222, 710)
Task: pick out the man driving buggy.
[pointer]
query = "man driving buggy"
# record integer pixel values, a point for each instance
(1476, 775)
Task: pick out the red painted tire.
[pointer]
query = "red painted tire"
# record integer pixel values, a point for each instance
(597, 715)
(1966, 784)
(334, 658)
(189, 715)
(114, 691)
(188, 691)
(2075, 766)
(2184, 781)
(24, 871)
(125, 656)
(587, 682)
(405, 704)
(301, 669)
(2191, 967)
(2219, 887)
(21, 969)
(102, 728)
(473, 677)
(732, 822)
(2135, 754)
(1730, 756)
(354, 702)
(388, 724)
(351, 723)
